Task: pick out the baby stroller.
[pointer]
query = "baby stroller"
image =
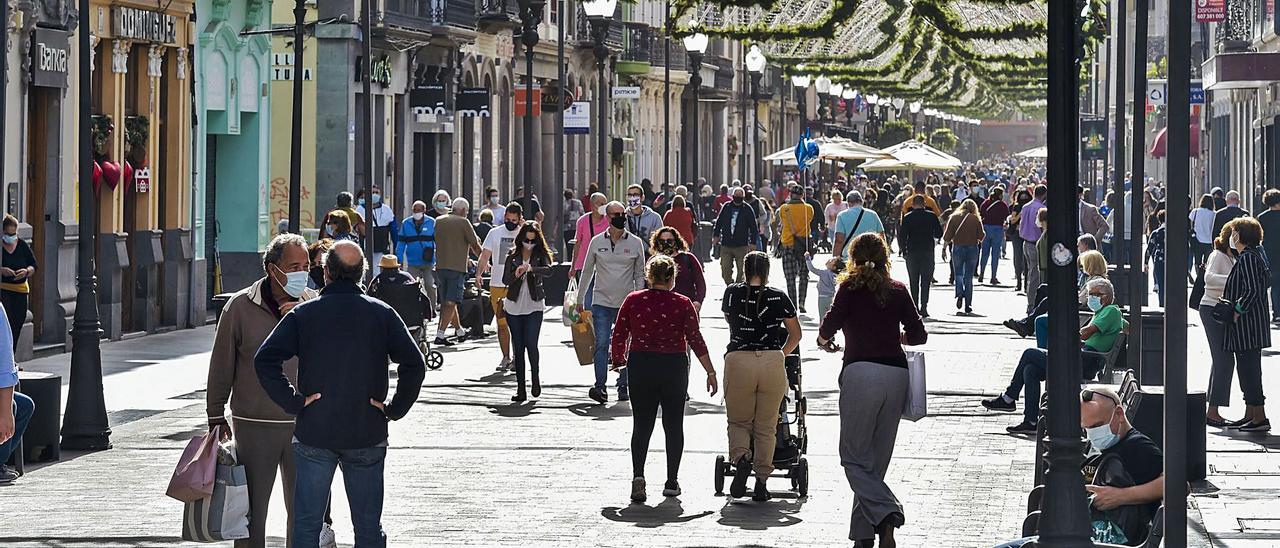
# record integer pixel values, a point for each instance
(414, 308)
(788, 455)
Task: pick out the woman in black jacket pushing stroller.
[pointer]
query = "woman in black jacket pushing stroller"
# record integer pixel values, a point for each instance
(526, 265)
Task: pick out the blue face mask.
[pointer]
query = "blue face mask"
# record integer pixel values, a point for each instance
(377, 198)
(1101, 437)
(1094, 302)
(295, 283)
(10, 239)
(360, 202)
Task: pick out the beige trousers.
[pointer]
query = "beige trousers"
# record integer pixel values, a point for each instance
(754, 384)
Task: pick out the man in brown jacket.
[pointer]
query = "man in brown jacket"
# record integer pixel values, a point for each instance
(263, 431)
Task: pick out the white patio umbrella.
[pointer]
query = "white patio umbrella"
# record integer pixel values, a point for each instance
(912, 155)
(1038, 152)
(832, 148)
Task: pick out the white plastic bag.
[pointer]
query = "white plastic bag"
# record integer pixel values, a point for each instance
(224, 515)
(569, 310)
(916, 405)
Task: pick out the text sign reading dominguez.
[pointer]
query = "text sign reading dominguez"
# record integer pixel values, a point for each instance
(145, 25)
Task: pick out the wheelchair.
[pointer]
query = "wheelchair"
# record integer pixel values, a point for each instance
(414, 308)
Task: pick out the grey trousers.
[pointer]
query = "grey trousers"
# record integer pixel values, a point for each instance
(1032, 272)
(427, 278)
(871, 400)
(264, 448)
(1224, 361)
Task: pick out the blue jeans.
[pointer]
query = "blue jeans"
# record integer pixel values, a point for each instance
(362, 478)
(992, 245)
(1031, 371)
(1157, 277)
(23, 408)
(602, 318)
(964, 259)
(1275, 298)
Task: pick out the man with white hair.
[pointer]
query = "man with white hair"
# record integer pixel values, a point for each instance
(1227, 214)
(455, 237)
(854, 221)
(417, 248)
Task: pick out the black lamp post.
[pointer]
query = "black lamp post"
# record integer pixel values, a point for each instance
(366, 156)
(530, 17)
(801, 82)
(85, 425)
(295, 146)
(755, 62)
(695, 45)
(1139, 159)
(600, 15)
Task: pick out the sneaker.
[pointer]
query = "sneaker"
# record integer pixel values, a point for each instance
(8, 475)
(741, 471)
(995, 283)
(598, 394)
(959, 303)
(1017, 327)
(1022, 428)
(671, 489)
(979, 278)
(761, 494)
(1264, 426)
(968, 311)
(519, 397)
(327, 538)
(440, 341)
(998, 403)
(504, 365)
(460, 334)
(624, 394)
(637, 490)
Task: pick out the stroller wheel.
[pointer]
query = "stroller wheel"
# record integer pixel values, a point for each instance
(435, 360)
(720, 466)
(801, 477)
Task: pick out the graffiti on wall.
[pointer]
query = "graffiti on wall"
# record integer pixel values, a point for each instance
(280, 203)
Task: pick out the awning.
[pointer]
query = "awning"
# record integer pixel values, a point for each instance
(1159, 148)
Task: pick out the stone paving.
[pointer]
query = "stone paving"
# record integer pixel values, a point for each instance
(467, 467)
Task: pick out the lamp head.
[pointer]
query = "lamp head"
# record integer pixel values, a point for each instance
(695, 43)
(898, 103)
(823, 84)
(755, 59)
(873, 99)
(930, 112)
(915, 107)
(836, 89)
(600, 8)
(848, 94)
(800, 81)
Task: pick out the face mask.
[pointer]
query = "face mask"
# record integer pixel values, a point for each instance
(493, 200)
(667, 247)
(441, 204)
(317, 275)
(618, 221)
(418, 215)
(295, 282)
(377, 198)
(511, 225)
(737, 199)
(633, 201)
(1101, 437)
(1095, 303)
(530, 245)
(360, 201)
(10, 239)
(600, 210)
(1235, 240)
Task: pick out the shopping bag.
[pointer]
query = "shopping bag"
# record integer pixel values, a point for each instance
(584, 340)
(916, 405)
(194, 476)
(569, 310)
(224, 515)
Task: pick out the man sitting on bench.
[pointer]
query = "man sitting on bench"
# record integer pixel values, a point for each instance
(15, 408)
(1099, 335)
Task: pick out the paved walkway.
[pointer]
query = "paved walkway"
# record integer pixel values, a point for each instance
(468, 467)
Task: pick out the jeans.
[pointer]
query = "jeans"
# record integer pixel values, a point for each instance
(965, 260)
(1198, 254)
(920, 276)
(1275, 297)
(1223, 360)
(524, 340)
(1019, 262)
(362, 479)
(1031, 371)
(602, 318)
(1157, 277)
(992, 245)
(23, 408)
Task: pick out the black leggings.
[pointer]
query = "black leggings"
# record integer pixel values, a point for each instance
(657, 380)
(15, 308)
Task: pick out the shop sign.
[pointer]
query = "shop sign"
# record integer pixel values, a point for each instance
(150, 26)
(142, 180)
(626, 92)
(577, 119)
(1197, 93)
(522, 104)
(472, 102)
(50, 51)
(555, 99)
(428, 99)
(1211, 11)
(1093, 142)
(1155, 94)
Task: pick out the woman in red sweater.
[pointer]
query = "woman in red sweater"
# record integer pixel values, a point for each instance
(653, 329)
(680, 217)
(877, 316)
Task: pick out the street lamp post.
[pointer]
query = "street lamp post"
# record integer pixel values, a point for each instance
(600, 15)
(295, 147)
(801, 82)
(530, 17)
(695, 45)
(85, 424)
(755, 62)
(847, 96)
(366, 150)
(822, 85)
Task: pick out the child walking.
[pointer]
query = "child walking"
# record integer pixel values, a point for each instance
(826, 281)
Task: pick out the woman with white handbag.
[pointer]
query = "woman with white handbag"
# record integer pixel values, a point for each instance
(877, 316)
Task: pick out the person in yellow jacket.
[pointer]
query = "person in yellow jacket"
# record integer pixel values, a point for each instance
(794, 220)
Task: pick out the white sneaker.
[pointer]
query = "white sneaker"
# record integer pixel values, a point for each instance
(505, 365)
(459, 333)
(327, 538)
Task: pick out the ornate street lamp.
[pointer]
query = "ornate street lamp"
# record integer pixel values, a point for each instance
(847, 96)
(915, 115)
(755, 62)
(695, 45)
(84, 425)
(530, 17)
(600, 15)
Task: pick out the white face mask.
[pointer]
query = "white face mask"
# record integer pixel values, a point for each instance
(1235, 241)
(600, 210)
(418, 215)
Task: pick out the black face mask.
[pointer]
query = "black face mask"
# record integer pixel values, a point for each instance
(511, 225)
(737, 199)
(317, 275)
(618, 221)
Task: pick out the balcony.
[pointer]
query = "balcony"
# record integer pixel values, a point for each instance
(493, 14)
(582, 34)
(724, 74)
(428, 14)
(679, 58)
(637, 49)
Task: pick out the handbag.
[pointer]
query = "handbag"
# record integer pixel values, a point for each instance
(584, 341)
(1197, 289)
(1224, 310)
(916, 405)
(224, 514)
(194, 476)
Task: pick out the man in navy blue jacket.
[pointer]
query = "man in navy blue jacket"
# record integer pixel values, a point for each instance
(736, 233)
(338, 398)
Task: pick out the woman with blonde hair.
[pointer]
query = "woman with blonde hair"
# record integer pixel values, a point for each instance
(877, 316)
(653, 329)
(834, 209)
(965, 233)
